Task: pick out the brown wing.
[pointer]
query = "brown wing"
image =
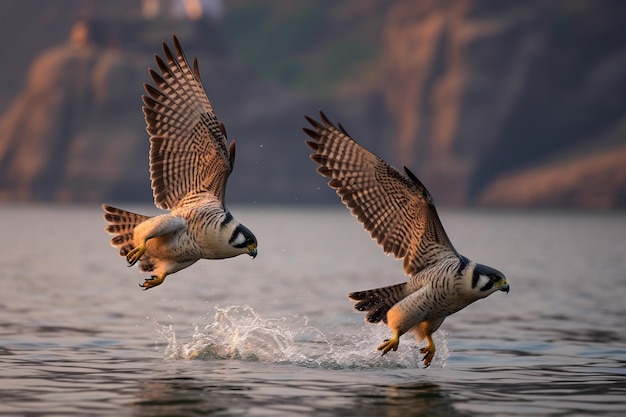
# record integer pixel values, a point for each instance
(395, 208)
(188, 153)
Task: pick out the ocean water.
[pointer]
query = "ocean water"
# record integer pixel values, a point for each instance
(277, 336)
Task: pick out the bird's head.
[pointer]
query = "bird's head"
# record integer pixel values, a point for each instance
(244, 240)
(487, 280)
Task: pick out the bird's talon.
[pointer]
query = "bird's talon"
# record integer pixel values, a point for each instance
(429, 354)
(151, 282)
(134, 255)
(389, 344)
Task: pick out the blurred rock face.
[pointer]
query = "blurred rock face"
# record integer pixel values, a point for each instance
(76, 132)
(498, 103)
(65, 137)
(480, 91)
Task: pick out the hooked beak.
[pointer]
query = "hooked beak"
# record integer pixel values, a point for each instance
(504, 286)
(252, 250)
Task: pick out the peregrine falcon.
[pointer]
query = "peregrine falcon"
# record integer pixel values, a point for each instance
(399, 213)
(189, 165)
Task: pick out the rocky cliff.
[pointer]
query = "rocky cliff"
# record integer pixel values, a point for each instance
(69, 135)
(481, 90)
(490, 102)
(76, 131)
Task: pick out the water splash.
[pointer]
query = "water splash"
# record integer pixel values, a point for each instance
(238, 332)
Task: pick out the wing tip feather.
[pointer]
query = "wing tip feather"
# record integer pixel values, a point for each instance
(317, 125)
(168, 52)
(324, 171)
(163, 66)
(312, 133)
(313, 145)
(325, 119)
(176, 42)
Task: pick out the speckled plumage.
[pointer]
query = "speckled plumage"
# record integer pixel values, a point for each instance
(399, 213)
(190, 163)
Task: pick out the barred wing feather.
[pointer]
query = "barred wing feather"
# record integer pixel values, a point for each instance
(188, 151)
(396, 209)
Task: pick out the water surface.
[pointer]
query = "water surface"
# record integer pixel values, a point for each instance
(276, 336)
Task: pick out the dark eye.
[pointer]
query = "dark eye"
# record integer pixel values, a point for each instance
(495, 279)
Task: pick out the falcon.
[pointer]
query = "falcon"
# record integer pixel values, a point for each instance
(399, 213)
(190, 163)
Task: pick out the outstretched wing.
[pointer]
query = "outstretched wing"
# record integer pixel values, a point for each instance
(395, 208)
(188, 152)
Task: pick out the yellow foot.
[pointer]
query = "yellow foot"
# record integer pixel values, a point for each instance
(153, 281)
(133, 256)
(390, 344)
(429, 354)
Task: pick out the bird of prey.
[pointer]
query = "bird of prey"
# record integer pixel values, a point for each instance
(399, 213)
(189, 165)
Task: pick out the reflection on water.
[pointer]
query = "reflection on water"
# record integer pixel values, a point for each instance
(287, 394)
(276, 336)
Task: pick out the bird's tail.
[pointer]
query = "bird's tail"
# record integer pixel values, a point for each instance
(378, 301)
(121, 225)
